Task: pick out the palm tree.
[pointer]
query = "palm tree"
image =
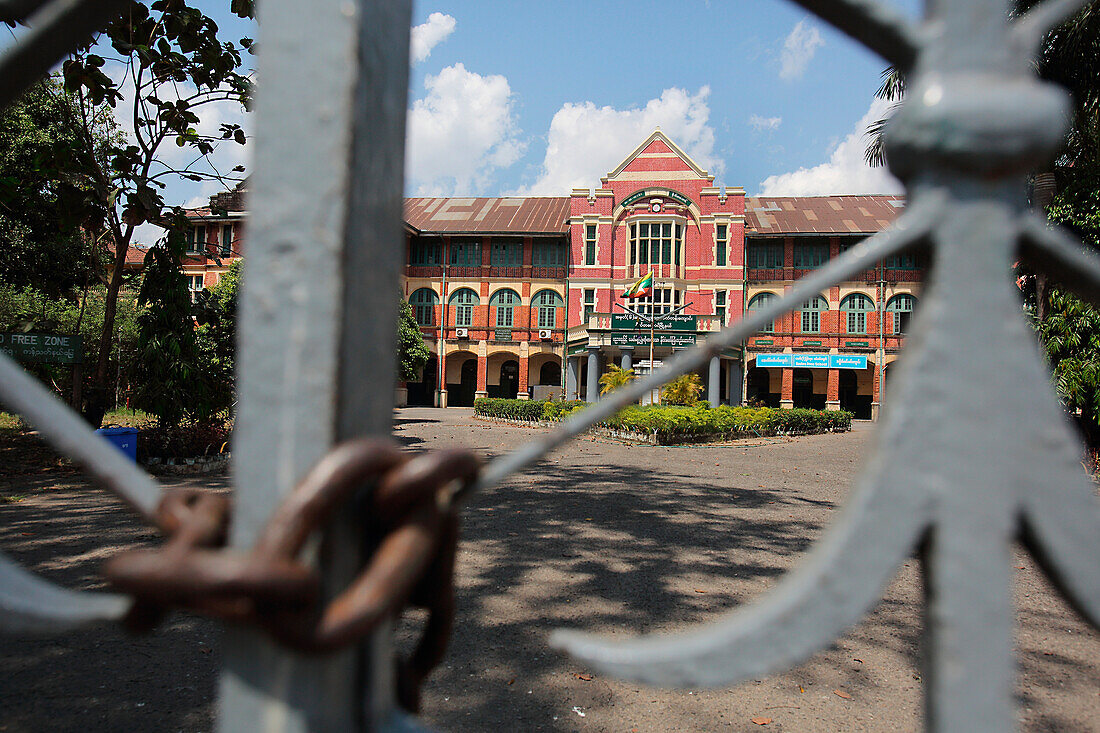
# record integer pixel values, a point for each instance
(1069, 56)
(614, 378)
(893, 89)
(684, 390)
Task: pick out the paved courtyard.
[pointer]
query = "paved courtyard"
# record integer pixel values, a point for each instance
(605, 537)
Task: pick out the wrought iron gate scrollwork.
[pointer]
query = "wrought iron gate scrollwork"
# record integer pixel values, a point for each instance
(957, 476)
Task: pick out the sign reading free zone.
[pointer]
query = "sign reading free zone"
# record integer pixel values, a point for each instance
(49, 348)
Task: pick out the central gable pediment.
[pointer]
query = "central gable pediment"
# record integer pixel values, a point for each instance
(656, 159)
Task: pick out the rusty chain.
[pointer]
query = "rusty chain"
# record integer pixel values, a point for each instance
(413, 508)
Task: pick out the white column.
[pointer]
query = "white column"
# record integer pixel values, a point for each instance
(712, 381)
(572, 376)
(593, 394)
(628, 357)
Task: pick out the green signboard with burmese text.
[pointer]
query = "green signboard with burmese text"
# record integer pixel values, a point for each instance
(47, 348)
(641, 338)
(676, 322)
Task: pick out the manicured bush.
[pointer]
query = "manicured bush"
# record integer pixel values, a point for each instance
(523, 410)
(560, 410)
(674, 424)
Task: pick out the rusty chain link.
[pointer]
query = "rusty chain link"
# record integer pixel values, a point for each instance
(412, 507)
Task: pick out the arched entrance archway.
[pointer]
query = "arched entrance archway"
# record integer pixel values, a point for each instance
(464, 395)
(550, 374)
(850, 398)
(803, 394)
(509, 379)
(758, 389)
(422, 393)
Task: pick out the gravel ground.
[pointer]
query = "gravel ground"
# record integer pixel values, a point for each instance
(605, 537)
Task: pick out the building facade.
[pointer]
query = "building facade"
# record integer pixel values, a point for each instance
(519, 297)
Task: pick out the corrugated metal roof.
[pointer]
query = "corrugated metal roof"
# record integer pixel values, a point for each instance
(489, 215)
(777, 215)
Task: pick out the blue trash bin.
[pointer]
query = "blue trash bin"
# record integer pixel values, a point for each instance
(125, 439)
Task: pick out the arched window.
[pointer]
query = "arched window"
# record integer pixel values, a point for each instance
(902, 307)
(548, 302)
(423, 302)
(759, 301)
(811, 314)
(464, 301)
(505, 301)
(857, 306)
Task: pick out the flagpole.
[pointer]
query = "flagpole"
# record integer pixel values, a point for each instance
(652, 327)
(652, 319)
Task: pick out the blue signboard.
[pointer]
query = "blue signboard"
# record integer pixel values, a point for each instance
(812, 361)
(848, 361)
(773, 360)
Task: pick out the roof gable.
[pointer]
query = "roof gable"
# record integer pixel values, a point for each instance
(658, 147)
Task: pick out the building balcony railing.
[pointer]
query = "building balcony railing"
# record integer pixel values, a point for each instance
(771, 274)
(543, 272)
(495, 272)
(766, 274)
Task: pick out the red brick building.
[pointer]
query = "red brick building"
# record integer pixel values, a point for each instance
(486, 278)
(518, 297)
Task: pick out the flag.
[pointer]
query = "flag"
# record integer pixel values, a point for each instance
(641, 288)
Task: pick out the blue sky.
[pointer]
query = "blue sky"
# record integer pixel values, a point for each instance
(535, 98)
(763, 95)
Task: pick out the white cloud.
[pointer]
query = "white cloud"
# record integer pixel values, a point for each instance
(430, 34)
(845, 173)
(461, 133)
(764, 123)
(798, 50)
(586, 141)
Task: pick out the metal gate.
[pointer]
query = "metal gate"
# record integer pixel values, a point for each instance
(958, 476)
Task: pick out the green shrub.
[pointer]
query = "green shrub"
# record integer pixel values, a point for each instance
(523, 410)
(186, 440)
(675, 424)
(684, 390)
(526, 410)
(553, 411)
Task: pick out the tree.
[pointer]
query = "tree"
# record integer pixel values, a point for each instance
(171, 378)
(1069, 190)
(1069, 329)
(412, 354)
(684, 390)
(29, 309)
(170, 64)
(1070, 57)
(42, 243)
(216, 337)
(614, 378)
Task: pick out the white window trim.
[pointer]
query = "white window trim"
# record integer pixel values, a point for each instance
(634, 267)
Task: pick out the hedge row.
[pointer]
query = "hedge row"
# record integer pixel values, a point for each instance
(525, 410)
(701, 422)
(670, 424)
